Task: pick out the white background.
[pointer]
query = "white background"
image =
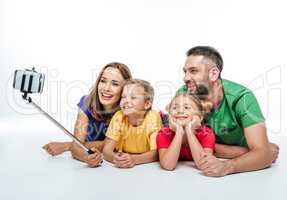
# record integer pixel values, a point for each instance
(70, 41)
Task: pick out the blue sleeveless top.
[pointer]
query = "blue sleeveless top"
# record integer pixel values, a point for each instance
(96, 129)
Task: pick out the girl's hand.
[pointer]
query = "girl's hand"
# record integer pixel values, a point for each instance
(179, 129)
(192, 125)
(56, 148)
(172, 124)
(176, 126)
(95, 159)
(123, 160)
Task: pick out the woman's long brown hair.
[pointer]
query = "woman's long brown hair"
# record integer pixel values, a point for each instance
(93, 101)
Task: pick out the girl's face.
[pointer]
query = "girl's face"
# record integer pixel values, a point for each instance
(133, 100)
(182, 110)
(110, 87)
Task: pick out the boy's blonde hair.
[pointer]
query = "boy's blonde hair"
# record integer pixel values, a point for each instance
(148, 89)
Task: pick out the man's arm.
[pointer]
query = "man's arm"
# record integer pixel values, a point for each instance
(229, 151)
(259, 155)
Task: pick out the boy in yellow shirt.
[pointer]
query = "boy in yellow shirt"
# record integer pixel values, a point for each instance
(131, 135)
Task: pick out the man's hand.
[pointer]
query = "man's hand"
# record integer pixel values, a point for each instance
(123, 160)
(275, 151)
(211, 166)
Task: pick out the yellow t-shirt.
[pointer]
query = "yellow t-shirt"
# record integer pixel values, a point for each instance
(131, 139)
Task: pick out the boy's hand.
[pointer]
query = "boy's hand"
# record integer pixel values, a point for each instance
(95, 159)
(123, 160)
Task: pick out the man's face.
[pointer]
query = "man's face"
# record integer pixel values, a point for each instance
(196, 71)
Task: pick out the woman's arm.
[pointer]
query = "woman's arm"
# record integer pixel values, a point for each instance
(80, 131)
(93, 160)
(57, 148)
(96, 144)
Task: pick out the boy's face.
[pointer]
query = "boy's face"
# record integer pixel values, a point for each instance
(182, 110)
(133, 100)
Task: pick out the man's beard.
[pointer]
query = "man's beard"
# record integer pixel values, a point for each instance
(201, 91)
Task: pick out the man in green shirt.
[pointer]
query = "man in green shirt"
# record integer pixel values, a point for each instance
(236, 119)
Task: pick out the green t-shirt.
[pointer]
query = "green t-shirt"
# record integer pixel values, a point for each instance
(238, 109)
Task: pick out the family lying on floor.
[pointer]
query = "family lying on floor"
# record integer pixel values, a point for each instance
(208, 118)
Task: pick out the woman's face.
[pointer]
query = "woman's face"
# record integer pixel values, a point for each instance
(110, 87)
(182, 110)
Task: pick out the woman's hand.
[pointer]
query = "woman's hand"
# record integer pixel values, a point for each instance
(95, 159)
(57, 148)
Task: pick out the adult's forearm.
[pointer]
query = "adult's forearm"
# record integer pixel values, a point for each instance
(255, 159)
(229, 151)
(97, 144)
(67, 145)
(78, 153)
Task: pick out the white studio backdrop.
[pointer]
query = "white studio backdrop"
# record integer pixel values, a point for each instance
(70, 41)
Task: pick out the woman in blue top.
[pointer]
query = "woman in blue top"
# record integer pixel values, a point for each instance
(95, 112)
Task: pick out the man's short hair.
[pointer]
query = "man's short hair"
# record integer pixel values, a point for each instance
(209, 53)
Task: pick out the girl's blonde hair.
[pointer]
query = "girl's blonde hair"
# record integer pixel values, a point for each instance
(204, 106)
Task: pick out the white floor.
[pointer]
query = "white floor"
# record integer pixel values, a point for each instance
(27, 172)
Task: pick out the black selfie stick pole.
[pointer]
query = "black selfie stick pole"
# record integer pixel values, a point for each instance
(29, 99)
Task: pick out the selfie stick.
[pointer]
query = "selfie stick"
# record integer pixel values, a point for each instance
(29, 99)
